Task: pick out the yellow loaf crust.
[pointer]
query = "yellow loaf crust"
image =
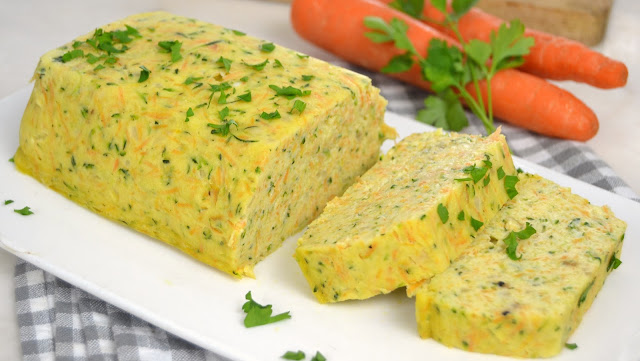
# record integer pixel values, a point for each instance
(169, 125)
(389, 230)
(487, 302)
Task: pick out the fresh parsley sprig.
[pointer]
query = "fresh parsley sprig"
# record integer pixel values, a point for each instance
(258, 315)
(447, 67)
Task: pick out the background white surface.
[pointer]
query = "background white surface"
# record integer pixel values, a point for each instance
(30, 28)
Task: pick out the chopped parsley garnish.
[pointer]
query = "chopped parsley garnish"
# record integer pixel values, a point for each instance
(291, 355)
(70, 55)
(302, 56)
(277, 64)
(267, 47)
(237, 32)
(476, 224)
(189, 114)
(225, 62)
(11, 160)
(510, 185)
(92, 59)
(258, 66)
(298, 105)
(585, 293)
(512, 240)
(443, 213)
(8, 201)
(98, 67)
(461, 216)
(172, 47)
(258, 315)
(289, 92)
(24, 211)
(214, 88)
(245, 97)
(222, 129)
(319, 357)
(613, 263)
(501, 173)
(144, 74)
(190, 80)
(224, 113)
(571, 346)
(475, 173)
(307, 77)
(269, 116)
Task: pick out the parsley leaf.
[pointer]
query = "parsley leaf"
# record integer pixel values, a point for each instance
(444, 111)
(24, 211)
(614, 262)
(225, 62)
(239, 33)
(298, 105)
(224, 113)
(411, 7)
(398, 64)
(510, 185)
(512, 240)
(8, 201)
(245, 97)
(395, 31)
(172, 47)
(571, 346)
(277, 64)
(189, 114)
(476, 224)
(190, 80)
(269, 116)
(443, 213)
(501, 173)
(461, 216)
(307, 77)
(290, 355)
(319, 357)
(144, 74)
(258, 66)
(302, 56)
(258, 315)
(289, 92)
(267, 47)
(222, 129)
(70, 55)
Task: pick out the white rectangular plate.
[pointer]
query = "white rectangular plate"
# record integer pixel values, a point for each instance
(167, 288)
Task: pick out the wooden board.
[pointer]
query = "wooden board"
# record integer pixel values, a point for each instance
(581, 20)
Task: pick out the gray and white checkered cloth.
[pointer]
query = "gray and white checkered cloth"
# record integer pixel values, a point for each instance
(59, 321)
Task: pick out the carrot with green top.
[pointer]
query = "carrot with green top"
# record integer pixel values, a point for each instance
(551, 57)
(518, 98)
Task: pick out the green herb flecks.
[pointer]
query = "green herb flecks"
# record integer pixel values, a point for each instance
(446, 67)
(144, 74)
(291, 355)
(307, 77)
(443, 213)
(215, 88)
(267, 47)
(298, 105)
(585, 293)
(192, 79)
(476, 224)
(8, 201)
(319, 357)
(289, 92)
(277, 64)
(614, 263)
(189, 114)
(239, 33)
(512, 240)
(571, 346)
(225, 62)
(246, 97)
(70, 55)
(258, 315)
(258, 66)
(24, 211)
(510, 185)
(501, 173)
(173, 48)
(270, 116)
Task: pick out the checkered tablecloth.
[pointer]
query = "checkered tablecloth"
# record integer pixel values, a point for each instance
(59, 321)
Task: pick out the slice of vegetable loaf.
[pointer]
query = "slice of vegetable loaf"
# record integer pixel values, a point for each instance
(407, 217)
(213, 141)
(524, 296)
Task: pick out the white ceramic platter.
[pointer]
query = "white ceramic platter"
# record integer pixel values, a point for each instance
(200, 304)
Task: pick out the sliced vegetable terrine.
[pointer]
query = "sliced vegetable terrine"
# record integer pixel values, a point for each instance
(531, 273)
(213, 141)
(408, 217)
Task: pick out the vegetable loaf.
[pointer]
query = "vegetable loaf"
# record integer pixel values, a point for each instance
(524, 301)
(407, 218)
(213, 141)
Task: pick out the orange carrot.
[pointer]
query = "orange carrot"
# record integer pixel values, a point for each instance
(551, 57)
(518, 98)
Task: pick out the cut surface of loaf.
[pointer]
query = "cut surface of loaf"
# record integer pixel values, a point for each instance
(213, 141)
(488, 302)
(407, 218)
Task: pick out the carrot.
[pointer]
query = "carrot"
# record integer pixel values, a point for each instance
(551, 57)
(518, 98)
